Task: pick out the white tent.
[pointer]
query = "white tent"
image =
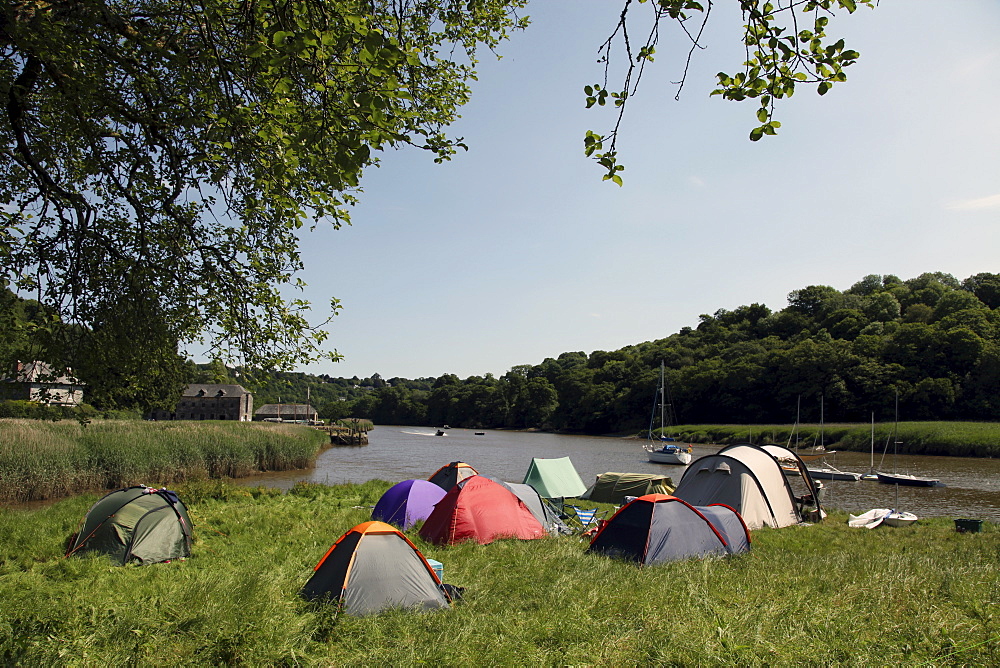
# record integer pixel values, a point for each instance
(747, 478)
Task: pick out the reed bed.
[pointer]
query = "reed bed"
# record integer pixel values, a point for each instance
(46, 460)
(959, 439)
(812, 595)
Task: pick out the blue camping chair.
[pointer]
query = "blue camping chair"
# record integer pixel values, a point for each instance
(586, 518)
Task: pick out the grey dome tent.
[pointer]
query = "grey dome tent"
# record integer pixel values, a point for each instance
(374, 567)
(546, 515)
(657, 527)
(136, 525)
(749, 479)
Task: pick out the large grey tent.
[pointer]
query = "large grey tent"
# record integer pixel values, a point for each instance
(139, 524)
(746, 477)
(374, 567)
(614, 487)
(554, 478)
(657, 527)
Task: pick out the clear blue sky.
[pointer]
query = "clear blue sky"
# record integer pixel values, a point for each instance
(516, 251)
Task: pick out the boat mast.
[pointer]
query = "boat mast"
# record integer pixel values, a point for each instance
(663, 400)
(821, 447)
(871, 468)
(895, 426)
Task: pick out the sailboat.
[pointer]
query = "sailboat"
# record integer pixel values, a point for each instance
(828, 471)
(815, 453)
(665, 450)
(895, 478)
(879, 516)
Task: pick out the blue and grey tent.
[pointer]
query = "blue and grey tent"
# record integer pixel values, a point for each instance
(658, 527)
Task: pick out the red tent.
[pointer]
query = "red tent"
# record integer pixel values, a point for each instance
(481, 510)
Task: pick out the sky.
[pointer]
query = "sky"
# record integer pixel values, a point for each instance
(516, 250)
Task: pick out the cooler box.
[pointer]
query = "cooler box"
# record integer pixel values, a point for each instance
(968, 526)
(438, 568)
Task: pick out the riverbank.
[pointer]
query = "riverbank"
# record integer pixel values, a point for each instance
(48, 460)
(812, 595)
(955, 439)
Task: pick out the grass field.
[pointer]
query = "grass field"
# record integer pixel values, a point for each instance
(810, 595)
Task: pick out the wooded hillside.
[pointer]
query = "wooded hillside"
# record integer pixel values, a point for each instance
(933, 338)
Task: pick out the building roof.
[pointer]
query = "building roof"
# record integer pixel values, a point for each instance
(286, 409)
(40, 372)
(213, 390)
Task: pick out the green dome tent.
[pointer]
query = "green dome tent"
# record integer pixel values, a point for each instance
(136, 525)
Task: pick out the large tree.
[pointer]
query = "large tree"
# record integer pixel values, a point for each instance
(170, 151)
(175, 148)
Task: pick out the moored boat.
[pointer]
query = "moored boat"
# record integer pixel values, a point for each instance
(832, 473)
(665, 450)
(671, 453)
(826, 472)
(906, 480)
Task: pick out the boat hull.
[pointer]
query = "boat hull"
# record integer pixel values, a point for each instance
(823, 474)
(899, 519)
(672, 456)
(833, 474)
(907, 480)
(814, 455)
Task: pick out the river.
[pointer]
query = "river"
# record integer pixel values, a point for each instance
(972, 486)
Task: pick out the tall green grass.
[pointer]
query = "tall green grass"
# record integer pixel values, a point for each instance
(45, 460)
(961, 439)
(811, 595)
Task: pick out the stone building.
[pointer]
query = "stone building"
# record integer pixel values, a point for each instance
(37, 381)
(202, 401)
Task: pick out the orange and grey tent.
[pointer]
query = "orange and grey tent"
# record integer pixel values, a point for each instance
(374, 567)
(451, 474)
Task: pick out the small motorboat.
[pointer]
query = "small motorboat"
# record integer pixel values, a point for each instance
(440, 432)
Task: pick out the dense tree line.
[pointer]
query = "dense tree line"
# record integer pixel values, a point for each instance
(933, 338)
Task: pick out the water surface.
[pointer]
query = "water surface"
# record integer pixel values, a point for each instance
(401, 453)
